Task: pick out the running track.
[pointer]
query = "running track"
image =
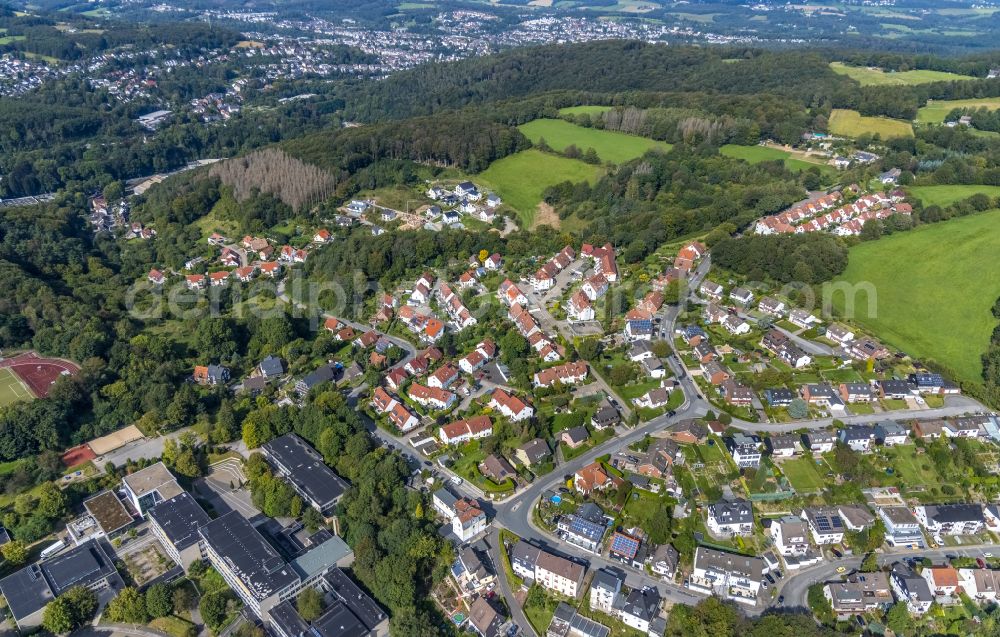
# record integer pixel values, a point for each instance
(38, 372)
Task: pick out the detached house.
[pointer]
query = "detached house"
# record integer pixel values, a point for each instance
(910, 589)
(859, 438)
(711, 290)
(533, 452)
(771, 306)
(728, 519)
(742, 296)
(546, 569)
(431, 396)
(510, 405)
(744, 449)
(594, 477)
(890, 433)
(825, 524)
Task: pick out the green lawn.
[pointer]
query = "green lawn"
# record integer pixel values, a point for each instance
(934, 289)
(852, 124)
(11, 388)
(611, 146)
(521, 178)
(584, 110)
(947, 195)
(911, 469)
(757, 154)
(802, 473)
(877, 77)
(936, 111)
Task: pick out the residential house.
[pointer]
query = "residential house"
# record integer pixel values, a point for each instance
(802, 318)
(638, 329)
(737, 394)
(742, 296)
(510, 405)
(928, 429)
(820, 441)
(688, 431)
(951, 519)
(823, 395)
(858, 437)
(546, 569)
(484, 619)
(462, 431)
(624, 548)
(431, 396)
(962, 428)
(729, 519)
(595, 477)
(605, 588)
(443, 377)
(856, 392)
(910, 589)
(839, 333)
(942, 582)
(579, 307)
(711, 290)
(567, 374)
(730, 576)
(783, 446)
(771, 306)
(890, 433)
(533, 452)
(581, 532)
(155, 277)
(664, 561)
(779, 396)
(856, 517)
(496, 468)
(714, 373)
(790, 536)
(859, 593)
(605, 416)
(653, 399)
(271, 367)
(567, 622)
(979, 584)
(825, 524)
(894, 389)
(640, 351)
(744, 449)
(574, 437)
(902, 529)
(641, 608)
(210, 374)
(735, 325)
(865, 348)
(465, 514)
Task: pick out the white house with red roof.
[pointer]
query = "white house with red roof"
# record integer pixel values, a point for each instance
(462, 431)
(155, 277)
(510, 405)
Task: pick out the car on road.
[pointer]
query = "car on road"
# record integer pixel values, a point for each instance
(781, 599)
(841, 569)
(456, 480)
(671, 413)
(987, 554)
(837, 553)
(770, 578)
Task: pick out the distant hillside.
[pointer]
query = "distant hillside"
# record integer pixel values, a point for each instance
(609, 66)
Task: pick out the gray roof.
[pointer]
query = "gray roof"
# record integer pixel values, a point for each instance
(272, 366)
(360, 603)
(914, 586)
(950, 513)
(607, 579)
(577, 434)
(890, 428)
(644, 604)
(287, 616)
(339, 621)
(301, 465)
(899, 515)
(180, 517)
(320, 558)
(738, 512)
(536, 450)
(711, 559)
(28, 590)
(258, 566)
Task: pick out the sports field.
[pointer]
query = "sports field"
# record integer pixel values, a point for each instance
(611, 146)
(11, 388)
(936, 111)
(853, 124)
(584, 110)
(877, 77)
(946, 195)
(521, 178)
(757, 154)
(934, 288)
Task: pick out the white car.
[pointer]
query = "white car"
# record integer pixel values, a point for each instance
(456, 480)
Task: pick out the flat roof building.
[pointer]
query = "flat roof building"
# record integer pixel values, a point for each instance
(350, 612)
(148, 487)
(29, 590)
(175, 522)
(304, 468)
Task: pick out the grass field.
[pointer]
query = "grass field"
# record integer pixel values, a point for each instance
(802, 473)
(584, 110)
(756, 154)
(935, 287)
(936, 111)
(521, 178)
(877, 77)
(947, 195)
(11, 388)
(611, 146)
(853, 124)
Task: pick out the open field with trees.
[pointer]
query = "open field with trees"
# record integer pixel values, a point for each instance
(610, 146)
(522, 178)
(877, 77)
(936, 111)
(757, 154)
(949, 194)
(852, 124)
(934, 290)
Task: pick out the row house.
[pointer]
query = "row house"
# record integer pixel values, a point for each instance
(514, 408)
(511, 295)
(546, 569)
(484, 352)
(604, 260)
(431, 396)
(568, 374)
(689, 255)
(462, 431)
(579, 307)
